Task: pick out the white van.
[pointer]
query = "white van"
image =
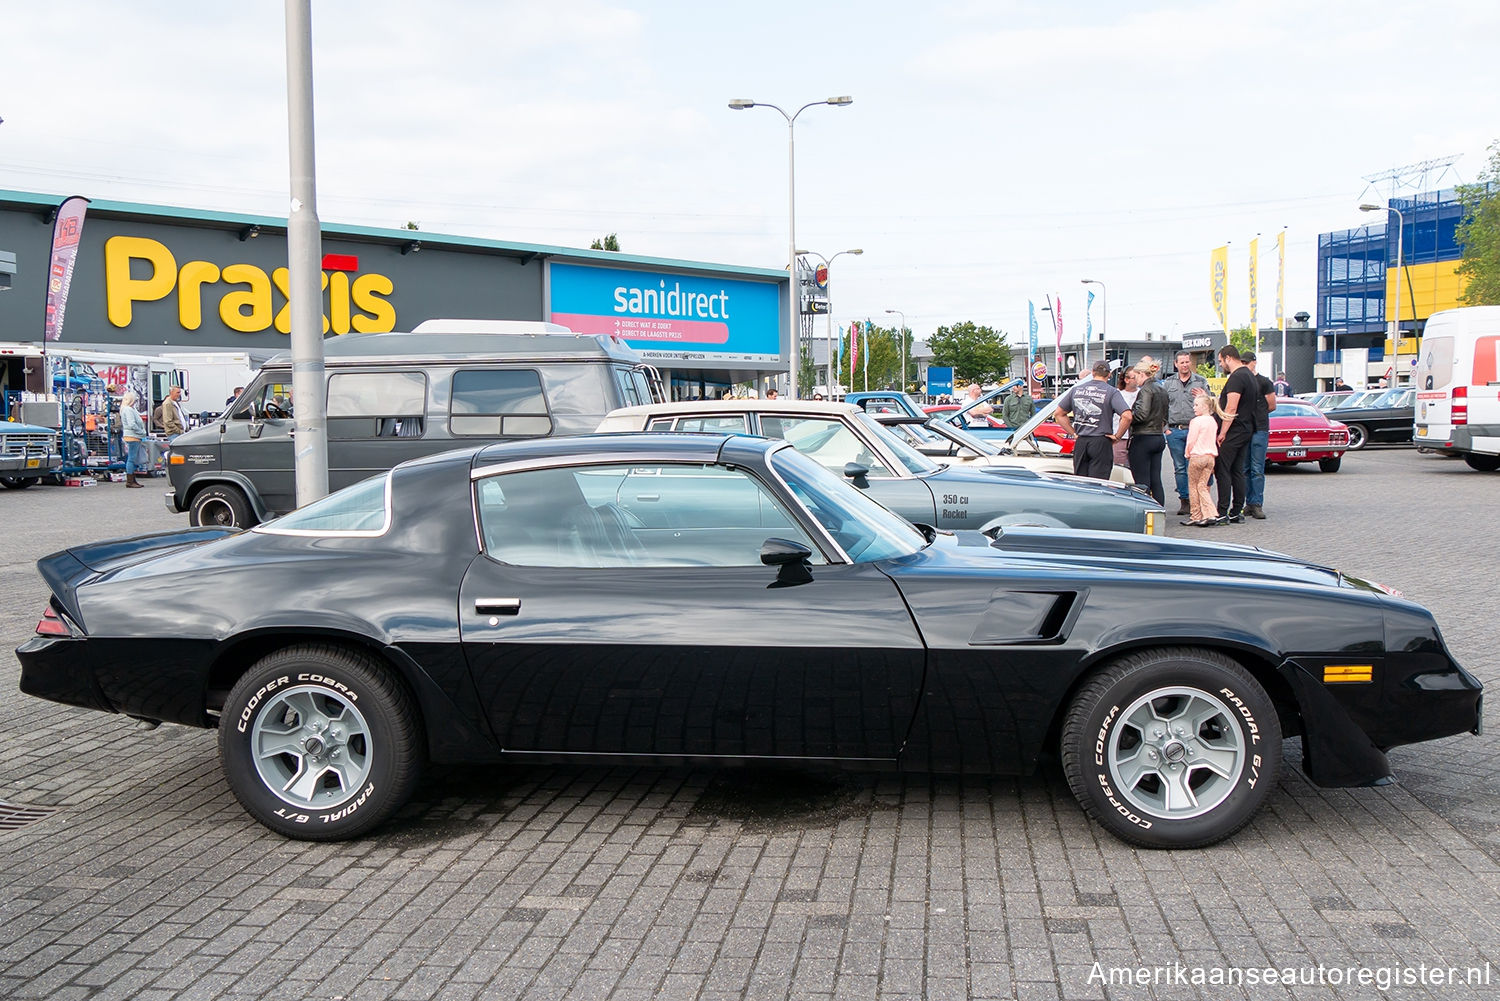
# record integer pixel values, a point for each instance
(1458, 386)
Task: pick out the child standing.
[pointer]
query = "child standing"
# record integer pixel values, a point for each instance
(1202, 451)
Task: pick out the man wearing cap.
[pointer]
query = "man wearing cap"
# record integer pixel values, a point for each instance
(1181, 388)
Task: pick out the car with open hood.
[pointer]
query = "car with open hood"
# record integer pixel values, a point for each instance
(711, 598)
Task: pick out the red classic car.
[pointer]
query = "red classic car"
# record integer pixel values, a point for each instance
(1300, 432)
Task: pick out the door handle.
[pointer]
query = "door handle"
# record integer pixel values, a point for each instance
(497, 606)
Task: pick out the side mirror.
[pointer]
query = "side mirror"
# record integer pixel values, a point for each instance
(858, 473)
(256, 427)
(792, 559)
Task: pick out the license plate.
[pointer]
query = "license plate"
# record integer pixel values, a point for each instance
(33, 463)
(1421, 432)
(1296, 453)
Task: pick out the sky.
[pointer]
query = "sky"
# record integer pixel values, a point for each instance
(995, 152)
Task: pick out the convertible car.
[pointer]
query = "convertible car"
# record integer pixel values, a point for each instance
(724, 598)
(847, 440)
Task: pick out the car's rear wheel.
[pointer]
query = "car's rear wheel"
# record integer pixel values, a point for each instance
(1331, 465)
(320, 743)
(17, 482)
(1172, 748)
(221, 506)
(1483, 463)
(1358, 437)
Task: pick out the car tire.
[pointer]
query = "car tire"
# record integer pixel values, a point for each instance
(1358, 437)
(1160, 787)
(16, 482)
(352, 740)
(1483, 463)
(221, 506)
(1331, 465)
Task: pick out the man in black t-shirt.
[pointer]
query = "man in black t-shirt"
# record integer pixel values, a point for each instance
(1091, 407)
(1238, 403)
(1255, 452)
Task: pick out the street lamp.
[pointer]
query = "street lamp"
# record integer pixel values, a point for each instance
(1103, 317)
(903, 346)
(828, 263)
(794, 294)
(1395, 323)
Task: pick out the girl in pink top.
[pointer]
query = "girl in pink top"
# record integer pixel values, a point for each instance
(1202, 449)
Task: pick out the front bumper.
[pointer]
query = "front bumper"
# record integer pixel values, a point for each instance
(29, 463)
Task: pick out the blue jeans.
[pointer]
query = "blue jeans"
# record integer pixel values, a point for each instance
(1255, 468)
(135, 456)
(1177, 445)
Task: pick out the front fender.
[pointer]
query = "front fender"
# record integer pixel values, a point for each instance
(207, 478)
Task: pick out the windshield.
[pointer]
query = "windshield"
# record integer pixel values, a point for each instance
(864, 529)
(964, 438)
(915, 462)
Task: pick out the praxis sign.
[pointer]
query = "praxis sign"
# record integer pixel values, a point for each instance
(670, 316)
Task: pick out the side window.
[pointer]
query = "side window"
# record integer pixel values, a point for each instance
(660, 424)
(376, 405)
(630, 389)
(499, 403)
(631, 516)
(829, 442)
(731, 424)
(272, 401)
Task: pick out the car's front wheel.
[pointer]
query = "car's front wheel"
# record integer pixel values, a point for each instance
(221, 506)
(16, 482)
(320, 743)
(1172, 748)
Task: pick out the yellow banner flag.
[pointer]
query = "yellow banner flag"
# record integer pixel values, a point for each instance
(1219, 285)
(1281, 281)
(1254, 290)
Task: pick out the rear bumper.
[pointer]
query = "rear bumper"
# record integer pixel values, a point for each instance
(53, 668)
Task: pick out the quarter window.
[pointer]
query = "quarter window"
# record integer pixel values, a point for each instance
(499, 403)
(363, 509)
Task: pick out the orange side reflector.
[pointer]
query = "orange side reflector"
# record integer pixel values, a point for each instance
(176, 459)
(1348, 673)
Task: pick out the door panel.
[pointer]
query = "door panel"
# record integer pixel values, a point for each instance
(692, 660)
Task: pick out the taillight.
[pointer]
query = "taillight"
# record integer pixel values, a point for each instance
(52, 624)
(1460, 404)
(1338, 437)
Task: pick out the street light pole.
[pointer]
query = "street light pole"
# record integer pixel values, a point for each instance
(828, 263)
(1103, 316)
(794, 294)
(1395, 323)
(903, 346)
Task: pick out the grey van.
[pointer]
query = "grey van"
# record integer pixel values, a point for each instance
(398, 396)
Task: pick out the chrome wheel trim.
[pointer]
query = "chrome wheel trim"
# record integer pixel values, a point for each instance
(311, 747)
(1177, 753)
(216, 511)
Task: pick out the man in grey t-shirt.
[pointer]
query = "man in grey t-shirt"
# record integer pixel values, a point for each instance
(1088, 410)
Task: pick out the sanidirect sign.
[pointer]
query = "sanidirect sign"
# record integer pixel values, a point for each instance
(670, 316)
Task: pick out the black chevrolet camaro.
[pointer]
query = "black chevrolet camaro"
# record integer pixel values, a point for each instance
(697, 598)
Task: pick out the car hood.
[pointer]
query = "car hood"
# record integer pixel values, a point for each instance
(1087, 484)
(1108, 554)
(14, 427)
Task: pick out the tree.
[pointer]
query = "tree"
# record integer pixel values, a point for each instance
(410, 224)
(610, 242)
(1243, 338)
(807, 372)
(881, 346)
(976, 353)
(1479, 233)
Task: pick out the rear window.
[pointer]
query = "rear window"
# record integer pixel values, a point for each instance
(363, 510)
(1435, 368)
(499, 403)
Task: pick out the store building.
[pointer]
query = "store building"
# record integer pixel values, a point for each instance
(150, 279)
(1357, 287)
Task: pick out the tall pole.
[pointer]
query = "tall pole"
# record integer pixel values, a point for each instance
(304, 263)
(1396, 314)
(794, 290)
(903, 346)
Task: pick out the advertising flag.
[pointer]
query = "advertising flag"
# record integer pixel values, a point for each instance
(1254, 290)
(66, 232)
(1088, 318)
(1219, 284)
(1281, 282)
(853, 349)
(1032, 380)
(1058, 314)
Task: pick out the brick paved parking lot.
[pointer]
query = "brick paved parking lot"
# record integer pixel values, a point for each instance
(148, 881)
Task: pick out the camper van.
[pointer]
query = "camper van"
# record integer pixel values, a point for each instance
(398, 396)
(1458, 386)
